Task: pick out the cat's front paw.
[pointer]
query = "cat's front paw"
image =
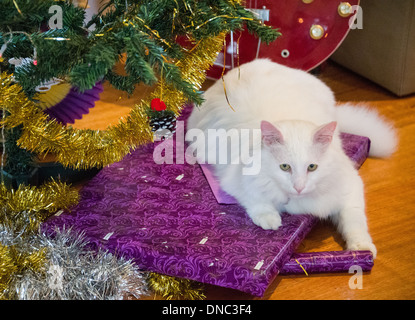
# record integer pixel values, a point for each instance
(364, 245)
(268, 221)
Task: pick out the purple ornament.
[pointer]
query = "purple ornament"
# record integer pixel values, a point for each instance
(75, 104)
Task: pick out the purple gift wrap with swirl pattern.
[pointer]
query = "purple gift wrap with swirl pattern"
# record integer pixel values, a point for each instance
(166, 218)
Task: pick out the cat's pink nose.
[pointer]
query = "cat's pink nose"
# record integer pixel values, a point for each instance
(299, 189)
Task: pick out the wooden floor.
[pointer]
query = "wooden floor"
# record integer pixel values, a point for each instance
(390, 198)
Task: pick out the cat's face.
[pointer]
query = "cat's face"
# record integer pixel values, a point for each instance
(297, 151)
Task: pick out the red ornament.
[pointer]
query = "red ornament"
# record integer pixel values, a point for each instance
(158, 105)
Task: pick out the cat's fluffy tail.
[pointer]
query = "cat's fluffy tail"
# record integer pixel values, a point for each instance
(363, 121)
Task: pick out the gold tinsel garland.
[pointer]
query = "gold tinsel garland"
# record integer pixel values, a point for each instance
(21, 213)
(85, 148)
(171, 288)
(13, 261)
(24, 209)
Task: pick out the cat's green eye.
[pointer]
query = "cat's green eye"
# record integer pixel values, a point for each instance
(312, 167)
(285, 167)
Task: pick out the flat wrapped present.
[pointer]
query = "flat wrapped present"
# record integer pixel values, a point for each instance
(166, 218)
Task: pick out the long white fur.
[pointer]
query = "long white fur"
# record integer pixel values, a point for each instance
(297, 105)
(361, 120)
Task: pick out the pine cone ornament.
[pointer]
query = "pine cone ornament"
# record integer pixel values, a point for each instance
(162, 121)
(164, 126)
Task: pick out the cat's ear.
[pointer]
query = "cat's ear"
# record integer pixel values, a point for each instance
(270, 134)
(324, 134)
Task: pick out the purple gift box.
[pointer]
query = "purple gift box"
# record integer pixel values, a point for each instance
(167, 219)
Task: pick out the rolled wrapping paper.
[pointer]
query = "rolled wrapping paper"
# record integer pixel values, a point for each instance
(329, 261)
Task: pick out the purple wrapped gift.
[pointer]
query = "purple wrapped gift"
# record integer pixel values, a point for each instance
(355, 147)
(166, 218)
(330, 261)
(220, 195)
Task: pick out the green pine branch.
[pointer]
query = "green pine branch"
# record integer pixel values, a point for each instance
(145, 31)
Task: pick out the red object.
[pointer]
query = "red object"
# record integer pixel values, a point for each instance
(295, 47)
(158, 105)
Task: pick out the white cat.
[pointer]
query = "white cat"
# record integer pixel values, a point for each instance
(303, 166)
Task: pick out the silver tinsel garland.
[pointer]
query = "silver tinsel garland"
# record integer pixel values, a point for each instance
(71, 271)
